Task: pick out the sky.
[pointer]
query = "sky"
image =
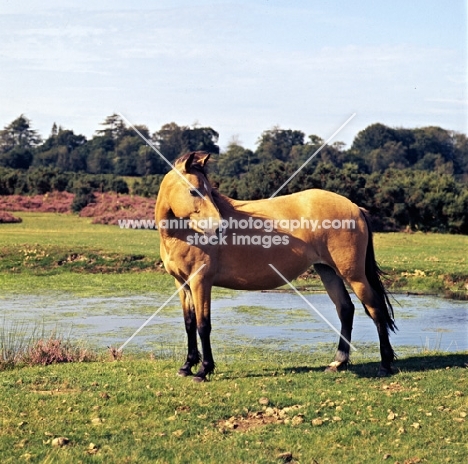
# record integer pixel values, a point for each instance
(238, 67)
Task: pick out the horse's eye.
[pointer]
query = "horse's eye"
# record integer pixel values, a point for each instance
(193, 192)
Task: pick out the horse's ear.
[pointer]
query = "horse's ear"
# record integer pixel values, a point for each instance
(189, 162)
(203, 159)
(196, 158)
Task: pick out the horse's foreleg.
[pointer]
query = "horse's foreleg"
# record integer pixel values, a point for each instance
(193, 355)
(345, 309)
(202, 299)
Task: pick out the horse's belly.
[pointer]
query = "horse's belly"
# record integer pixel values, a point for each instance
(254, 269)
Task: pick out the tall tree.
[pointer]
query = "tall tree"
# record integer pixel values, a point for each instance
(277, 143)
(113, 127)
(63, 149)
(173, 140)
(17, 141)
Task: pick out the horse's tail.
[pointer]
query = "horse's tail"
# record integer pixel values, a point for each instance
(374, 276)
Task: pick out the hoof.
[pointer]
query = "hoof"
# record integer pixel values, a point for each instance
(331, 370)
(199, 379)
(384, 371)
(184, 372)
(336, 366)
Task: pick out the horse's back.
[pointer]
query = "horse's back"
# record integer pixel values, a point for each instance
(315, 226)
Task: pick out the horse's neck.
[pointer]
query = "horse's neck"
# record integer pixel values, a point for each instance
(163, 213)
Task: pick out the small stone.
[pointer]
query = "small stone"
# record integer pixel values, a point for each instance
(92, 449)
(286, 457)
(264, 401)
(96, 421)
(391, 416)
(60, 441)
(317, 422)
(231, 424)
(296, 420)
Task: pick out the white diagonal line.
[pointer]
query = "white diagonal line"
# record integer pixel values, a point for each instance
(312, 306)
(151, 144)
(162, 306)
(316, 153)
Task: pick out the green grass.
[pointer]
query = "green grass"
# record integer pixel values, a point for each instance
(63, 252)
(48, 251)
(425, 263)
(140, 411)
(71, 231)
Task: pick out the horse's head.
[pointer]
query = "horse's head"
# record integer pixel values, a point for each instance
(186, 193)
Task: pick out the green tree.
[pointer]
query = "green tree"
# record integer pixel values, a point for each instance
(277, 144)
(262, 181)
(114, 128)
(17, 141)
(235, 161)
(460, 159)
(174, 141)
(432, 140)
(63, 150)
(149, 162)
(98, 161)
(391, 154)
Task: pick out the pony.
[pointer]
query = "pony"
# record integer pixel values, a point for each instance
(208, 239)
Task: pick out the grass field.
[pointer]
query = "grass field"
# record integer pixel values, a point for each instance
(259, 408)
(61, 246)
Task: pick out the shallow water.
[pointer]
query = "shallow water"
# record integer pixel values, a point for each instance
(281, 320)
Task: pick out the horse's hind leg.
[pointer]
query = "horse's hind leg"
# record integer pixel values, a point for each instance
(375, 307)
(193, 355)
(345, 309)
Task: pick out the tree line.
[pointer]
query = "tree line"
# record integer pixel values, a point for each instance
(407, 178)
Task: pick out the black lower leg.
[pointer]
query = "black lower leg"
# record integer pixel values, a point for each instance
(193, 355)
(386, 351)
(208, 365)
(339, 295)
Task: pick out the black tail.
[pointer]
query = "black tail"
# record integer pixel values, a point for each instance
(374, 274)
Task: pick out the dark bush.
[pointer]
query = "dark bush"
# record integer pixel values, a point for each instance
(83, 197)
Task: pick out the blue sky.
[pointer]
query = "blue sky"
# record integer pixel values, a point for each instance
(239, 67)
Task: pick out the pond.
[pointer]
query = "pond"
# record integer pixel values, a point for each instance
(273, 319)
